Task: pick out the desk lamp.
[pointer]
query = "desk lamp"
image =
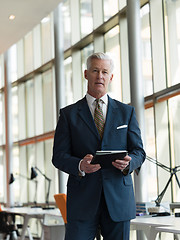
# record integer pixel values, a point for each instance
(12, 179)
(172, 171)
(34, 175)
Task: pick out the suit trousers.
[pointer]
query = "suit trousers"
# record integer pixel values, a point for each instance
(87, 229)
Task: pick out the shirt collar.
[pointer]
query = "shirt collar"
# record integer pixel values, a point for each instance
(91, 99)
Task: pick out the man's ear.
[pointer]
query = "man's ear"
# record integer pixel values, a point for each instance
(111, 78)
(85, 74)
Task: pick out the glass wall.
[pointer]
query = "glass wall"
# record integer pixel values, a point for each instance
(172, 31)
(31, 72)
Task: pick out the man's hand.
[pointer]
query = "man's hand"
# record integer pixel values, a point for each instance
(122, 164)
(86, 166)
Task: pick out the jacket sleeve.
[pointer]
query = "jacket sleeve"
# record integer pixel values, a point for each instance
(62, 158)
(135, 144)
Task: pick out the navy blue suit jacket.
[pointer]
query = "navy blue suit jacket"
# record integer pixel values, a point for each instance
(76, 135)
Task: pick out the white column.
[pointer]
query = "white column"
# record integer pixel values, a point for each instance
(59, 75)
(136, 85)
(8, 131)
(137, 91)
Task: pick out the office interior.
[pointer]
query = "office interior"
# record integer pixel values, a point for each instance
(43, 71)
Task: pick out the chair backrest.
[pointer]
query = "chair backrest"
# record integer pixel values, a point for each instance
(60, 199)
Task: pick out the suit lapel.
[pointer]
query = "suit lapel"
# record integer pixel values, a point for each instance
(111, 114)
(86, 116)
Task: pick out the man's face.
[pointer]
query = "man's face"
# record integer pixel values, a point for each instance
(99, 76)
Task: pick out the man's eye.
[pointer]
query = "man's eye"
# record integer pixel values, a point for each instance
(105, 72)
(95, 70)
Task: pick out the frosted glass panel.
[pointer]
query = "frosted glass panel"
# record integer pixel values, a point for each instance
(110, 8)
(39, 162)
(37, 46)
(151, 152)
(1, 71)
(38, 105)
(112, 48)
(68, 77)
(174, 113)
(30, 108)
(67, 24)
(16, 183)
(12, 63)
(85, 53)
(2, 119)
(86, 17)
(172, 26)
(48, 101)
(146, 50)
(51, 171)
(25, 174)
(31, 163)
(162, 143)
(28, 52)
(21, 111)
(2, 175)
(15, 113)
(47, 41)
(20, 58)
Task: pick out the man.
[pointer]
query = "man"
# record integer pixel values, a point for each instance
(98, 196)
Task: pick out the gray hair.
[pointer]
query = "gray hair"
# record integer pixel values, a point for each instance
(100, 55)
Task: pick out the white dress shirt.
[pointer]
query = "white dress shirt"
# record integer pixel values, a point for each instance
(91, 101)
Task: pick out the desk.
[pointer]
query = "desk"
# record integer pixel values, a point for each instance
(27, 213)
(154, 225)
(175, 229)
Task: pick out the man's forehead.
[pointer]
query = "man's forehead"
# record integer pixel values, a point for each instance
(100, 63)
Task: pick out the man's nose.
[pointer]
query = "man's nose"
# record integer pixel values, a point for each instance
(100, 74)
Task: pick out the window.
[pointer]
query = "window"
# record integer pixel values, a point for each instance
(84, 55)
(112, 47)
(151, 152)
(174, 113)
(146, 51)
(28, 53)
(1, 71)
(2, 119)
(86, 17)
(48, 103)
(47, 39)
(172, 31)
(110, 8)
(15, 113)
(68, 77)
(67, 24)
(2, 175)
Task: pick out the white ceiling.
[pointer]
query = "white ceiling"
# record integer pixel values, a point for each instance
(28, 14)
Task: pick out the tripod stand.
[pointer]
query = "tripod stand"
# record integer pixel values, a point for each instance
(172, 171)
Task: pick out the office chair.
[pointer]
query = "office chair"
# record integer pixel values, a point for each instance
(7, 226)
(60, 199)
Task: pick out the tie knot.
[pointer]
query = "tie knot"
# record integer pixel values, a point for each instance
(98, 101)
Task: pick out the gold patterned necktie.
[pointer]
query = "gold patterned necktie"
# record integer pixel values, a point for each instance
(98, 118)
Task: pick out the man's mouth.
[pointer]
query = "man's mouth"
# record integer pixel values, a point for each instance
(99, 83)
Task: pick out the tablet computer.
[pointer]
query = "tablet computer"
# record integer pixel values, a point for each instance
(105, 158)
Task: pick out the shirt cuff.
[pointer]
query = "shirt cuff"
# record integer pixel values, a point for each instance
(81, 173)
